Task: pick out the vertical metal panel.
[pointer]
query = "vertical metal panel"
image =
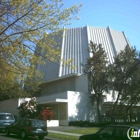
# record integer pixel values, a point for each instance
(119, 40)
(100, 36)
(74, 44)
(51, 69)
(75, 48)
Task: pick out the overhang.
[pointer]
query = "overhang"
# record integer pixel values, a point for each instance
(61, 78)
(57, 100)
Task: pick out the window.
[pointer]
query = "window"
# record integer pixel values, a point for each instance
(107, 130)
(17, 122)
(38, 123)
(121, 131)
(6, 117)
(27, 123)
(23, 122)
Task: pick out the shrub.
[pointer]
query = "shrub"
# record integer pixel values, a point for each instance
(88, 124)
(46, 114)
(30, 109)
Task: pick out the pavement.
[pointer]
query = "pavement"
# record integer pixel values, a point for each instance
(57, 130)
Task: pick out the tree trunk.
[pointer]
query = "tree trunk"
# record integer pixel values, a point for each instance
(114, 108)
(129, 107)
(98, 110)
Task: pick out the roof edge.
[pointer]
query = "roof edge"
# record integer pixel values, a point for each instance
(62, 77)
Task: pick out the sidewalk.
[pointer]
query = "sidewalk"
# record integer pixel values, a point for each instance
(64, 133)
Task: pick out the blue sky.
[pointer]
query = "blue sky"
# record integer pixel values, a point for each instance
(121, 15)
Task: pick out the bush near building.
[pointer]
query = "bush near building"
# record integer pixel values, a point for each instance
(31, 109)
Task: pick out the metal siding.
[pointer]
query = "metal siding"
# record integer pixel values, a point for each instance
(62, 52)
(112, 42)
(74, 43)
(75, 47)
(51, 69)
(101, 36)
(119, 40)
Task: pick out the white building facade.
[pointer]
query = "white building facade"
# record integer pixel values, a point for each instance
(65, 89)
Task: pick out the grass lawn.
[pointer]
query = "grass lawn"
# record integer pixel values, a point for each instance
(77, 131)
(85, 130)
(62, 137)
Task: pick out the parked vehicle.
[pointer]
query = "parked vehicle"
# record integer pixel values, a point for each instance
(6, 119)
(114, 132)
(28, 127)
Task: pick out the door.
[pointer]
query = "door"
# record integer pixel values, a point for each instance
(14, 127)
(120, 133)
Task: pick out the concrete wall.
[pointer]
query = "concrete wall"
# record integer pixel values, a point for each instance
(58, 86)
(81, 83)
(52, 123)
(9, 106)
(63, 122)
(79, 107)
(111, 97)
(51, 97)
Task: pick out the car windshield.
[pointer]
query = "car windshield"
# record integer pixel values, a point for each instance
(6, 117)
(38, 123)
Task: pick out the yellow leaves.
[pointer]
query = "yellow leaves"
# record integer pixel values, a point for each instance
(53, 54)
(39, 9)
(18, 2)
(25, 52)
(68, 63)
(6, 71)
(55, 22)
(13, 49)
(26, 27)
(30, 23)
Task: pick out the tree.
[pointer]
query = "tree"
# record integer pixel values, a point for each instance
(124, 73)
(28, 109)
(96, 70)
(131, 96)
(24, 24)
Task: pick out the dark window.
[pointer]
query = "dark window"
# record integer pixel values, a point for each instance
(23, 122)
(17, 122)
(38, 123)
(27, 123)
(107, 130)
(121, 131)
(6, 117)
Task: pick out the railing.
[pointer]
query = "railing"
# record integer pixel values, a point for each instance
(121, 118)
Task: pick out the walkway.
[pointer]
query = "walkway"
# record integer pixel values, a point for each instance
(64, 133)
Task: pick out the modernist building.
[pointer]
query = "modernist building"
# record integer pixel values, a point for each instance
(65, 89)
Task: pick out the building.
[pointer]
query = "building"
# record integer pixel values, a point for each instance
(65, 89)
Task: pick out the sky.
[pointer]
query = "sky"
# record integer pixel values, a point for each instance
(120, 15)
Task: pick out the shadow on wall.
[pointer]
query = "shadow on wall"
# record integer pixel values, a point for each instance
(84, 109)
